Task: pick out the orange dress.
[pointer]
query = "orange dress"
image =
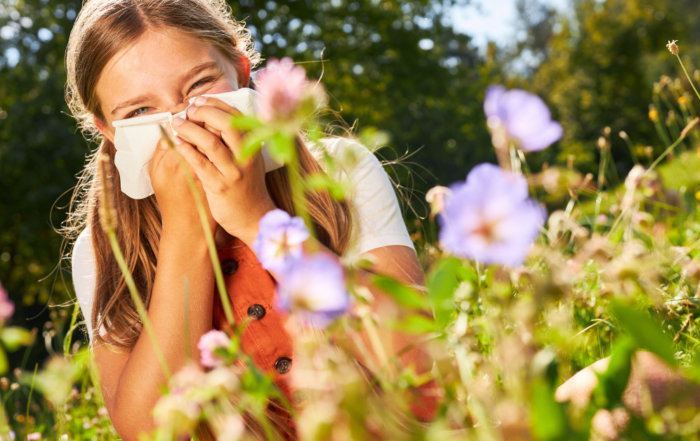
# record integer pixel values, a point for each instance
(251, 290)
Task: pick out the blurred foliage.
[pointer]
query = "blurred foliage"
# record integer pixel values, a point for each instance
(596, 66)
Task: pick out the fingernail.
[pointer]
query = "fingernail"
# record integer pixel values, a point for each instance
(191, 110)
(200, 100)
(178, 121)
(177, 140)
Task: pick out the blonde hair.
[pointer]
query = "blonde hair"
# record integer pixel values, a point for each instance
(102, 29)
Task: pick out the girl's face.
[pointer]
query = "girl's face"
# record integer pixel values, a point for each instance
(159, 73)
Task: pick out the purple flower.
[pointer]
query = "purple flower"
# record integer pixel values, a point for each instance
(524, 117)
(490, 217)
(282, 87)
(7, 308)
(209, 344)
(280, 239)
(313, 287)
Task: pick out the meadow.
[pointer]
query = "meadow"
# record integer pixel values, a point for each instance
(531, 276)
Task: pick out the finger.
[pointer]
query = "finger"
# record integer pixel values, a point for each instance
(218, 120)
(215, 132)
(203, 167)
(207, 143)
(216, 103)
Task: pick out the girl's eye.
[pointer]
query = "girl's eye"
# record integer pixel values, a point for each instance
(138, 112)
(201, 82)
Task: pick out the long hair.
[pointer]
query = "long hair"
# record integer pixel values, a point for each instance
(102, 29)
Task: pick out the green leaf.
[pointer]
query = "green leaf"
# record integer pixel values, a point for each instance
(252, 142)
(413, 324)
(645, 331)
(442, 283)
(4, 364)
(14, 337)
(403, 295)
(245, 123)
(549, 420)
(281, 147)
(318, 182)
(613, 382)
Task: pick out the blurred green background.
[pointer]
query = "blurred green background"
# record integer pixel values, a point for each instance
(398, 67)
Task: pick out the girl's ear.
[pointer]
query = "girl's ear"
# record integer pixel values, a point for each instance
(245, 64)
(101, 127)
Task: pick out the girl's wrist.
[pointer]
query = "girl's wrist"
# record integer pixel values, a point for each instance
(248, 233)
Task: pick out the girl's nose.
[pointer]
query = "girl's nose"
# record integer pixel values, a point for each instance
(176, 108)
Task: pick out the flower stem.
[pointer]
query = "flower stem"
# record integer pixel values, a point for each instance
(666, 152)
(635, 158)
(188, 354)
(220, 284)
(116, 250)
(29, 400)
(688, 76)
(69, 335)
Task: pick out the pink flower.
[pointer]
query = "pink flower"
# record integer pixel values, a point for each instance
(282, 88)
(7, 308)
(34, 436)
(209, 344)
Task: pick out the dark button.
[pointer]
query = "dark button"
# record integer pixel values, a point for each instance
(229, 267)
(256, 312)
(283, 365)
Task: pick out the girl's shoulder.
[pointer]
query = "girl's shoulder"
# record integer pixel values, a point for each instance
(351, 160)
(378, 220)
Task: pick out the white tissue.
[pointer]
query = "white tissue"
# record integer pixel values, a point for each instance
(136, 140)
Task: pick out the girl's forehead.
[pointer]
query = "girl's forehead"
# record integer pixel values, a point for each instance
(156, 63)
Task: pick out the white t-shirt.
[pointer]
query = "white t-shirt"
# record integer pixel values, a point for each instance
(377, 219)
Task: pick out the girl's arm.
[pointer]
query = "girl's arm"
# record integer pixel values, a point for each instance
(131, 382)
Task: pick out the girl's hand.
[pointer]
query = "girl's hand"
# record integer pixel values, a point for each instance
(175, 200)
(236, 191)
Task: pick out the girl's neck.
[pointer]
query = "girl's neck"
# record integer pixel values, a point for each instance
(221, 237)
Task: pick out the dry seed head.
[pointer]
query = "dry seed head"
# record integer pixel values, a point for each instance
(606, 131)
(672, 47)
(602, 143)
(108, 215)
(623, 134)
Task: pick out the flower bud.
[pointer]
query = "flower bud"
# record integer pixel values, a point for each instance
(436, 198)
(653, 113)
(672, 47)
(602, 143)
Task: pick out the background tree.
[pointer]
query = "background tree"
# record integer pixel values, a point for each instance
(599, 68)
(389, 65)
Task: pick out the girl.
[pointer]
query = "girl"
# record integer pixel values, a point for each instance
(128, 58)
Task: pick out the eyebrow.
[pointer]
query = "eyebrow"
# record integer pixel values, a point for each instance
(188, 76)
(132, 102)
